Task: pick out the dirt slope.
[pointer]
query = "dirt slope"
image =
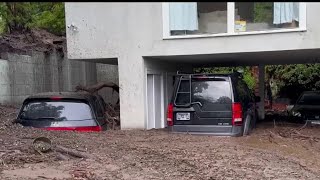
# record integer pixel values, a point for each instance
(35, 40)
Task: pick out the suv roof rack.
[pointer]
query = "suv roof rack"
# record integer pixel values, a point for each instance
(199, 74)
(183, 73)
(233, 73)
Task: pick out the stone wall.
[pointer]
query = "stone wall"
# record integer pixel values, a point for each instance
(23, 75)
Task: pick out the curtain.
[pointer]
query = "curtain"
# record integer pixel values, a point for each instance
(285, 12)
(183, 16)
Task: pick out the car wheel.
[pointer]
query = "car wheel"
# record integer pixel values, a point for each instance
(246, 129)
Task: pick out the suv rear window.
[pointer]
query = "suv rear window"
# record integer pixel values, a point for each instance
(206, 91)
(56, 110)
(211, 92)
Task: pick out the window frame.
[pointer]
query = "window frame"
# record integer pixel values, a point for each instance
(231, 24)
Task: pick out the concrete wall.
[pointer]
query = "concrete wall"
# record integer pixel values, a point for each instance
(131, 32)
(5, 94)
(23, 75)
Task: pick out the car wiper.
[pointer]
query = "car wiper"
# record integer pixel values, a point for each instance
(52, 118)
(189, 104)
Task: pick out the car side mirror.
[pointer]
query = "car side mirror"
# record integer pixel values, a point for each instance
(289, 107)
(257, 98)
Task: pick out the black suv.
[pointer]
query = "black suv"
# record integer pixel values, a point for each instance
(215, 104)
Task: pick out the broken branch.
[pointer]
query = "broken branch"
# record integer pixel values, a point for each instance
(97, 87)
(71, 152)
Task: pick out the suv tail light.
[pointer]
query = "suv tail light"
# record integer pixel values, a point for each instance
(170, 115)
(82, 129)
(236, 114)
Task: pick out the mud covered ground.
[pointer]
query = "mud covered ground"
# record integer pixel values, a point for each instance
(270, 152)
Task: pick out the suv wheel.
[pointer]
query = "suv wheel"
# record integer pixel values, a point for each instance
(246, 129)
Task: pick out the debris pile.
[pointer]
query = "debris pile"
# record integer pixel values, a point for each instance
(34, 40)
(112, 111)
(113, 116)
(21, 145)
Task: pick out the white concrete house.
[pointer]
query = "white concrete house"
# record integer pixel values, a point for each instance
(151, 41)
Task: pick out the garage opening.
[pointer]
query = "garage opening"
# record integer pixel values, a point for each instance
(155, 93)
(159, 88)
(159, 93)
(261, 73)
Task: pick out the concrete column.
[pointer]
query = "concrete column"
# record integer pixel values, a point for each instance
(132, 92)
(261, 90)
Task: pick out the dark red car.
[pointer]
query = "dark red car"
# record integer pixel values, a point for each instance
(64, 111)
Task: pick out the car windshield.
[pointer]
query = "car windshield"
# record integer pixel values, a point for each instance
(207, 92)
(56, 110)
(310, 98)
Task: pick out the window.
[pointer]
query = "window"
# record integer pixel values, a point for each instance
(257, 16)
(62, 111)
(211, 92)
(187, 19)
(207, 92)
(198, 18)
(310, 98)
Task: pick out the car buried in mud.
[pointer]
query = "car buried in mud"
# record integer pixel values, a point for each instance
(66, 111)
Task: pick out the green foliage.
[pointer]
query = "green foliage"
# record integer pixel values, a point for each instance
(263, 12)
(247, 76)
(249, 79)
(2, 26)
(20, 16)
(15, 15)
(293, 79)
(49, 16)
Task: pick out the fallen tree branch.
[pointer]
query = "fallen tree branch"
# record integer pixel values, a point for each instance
(112, 121)
(112, 114)
(62, 157)
(71, 152)
(97, 87)
(297, 134)
(94, 88)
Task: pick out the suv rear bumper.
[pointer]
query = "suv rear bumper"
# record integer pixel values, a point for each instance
(207, 130)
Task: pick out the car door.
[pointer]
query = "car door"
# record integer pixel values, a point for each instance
(211, 101)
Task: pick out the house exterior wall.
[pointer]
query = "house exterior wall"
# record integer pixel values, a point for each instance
(109, 30)
(131, 32)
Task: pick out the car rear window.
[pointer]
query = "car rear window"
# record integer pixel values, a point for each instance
(56, 110)
(206, 91)
(310, 99)
(211, 92)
